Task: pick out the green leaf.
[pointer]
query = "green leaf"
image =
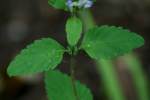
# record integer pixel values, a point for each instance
(74, 30)
(40, 56)
(109, 41)
(58, 4)
(59, 87)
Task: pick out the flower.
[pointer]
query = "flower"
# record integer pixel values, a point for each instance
(79, 4)
(85, 3)
(69, 4)
(88, 4)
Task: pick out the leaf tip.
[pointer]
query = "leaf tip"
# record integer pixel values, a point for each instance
(9, 72)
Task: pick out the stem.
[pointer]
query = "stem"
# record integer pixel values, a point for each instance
(72, 66)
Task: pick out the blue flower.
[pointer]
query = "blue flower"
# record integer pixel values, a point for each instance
(69, 4)
(88, 4)
(85, 3)
(79, 4)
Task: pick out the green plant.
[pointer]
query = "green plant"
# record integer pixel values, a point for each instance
(100, 43)
(107, 69)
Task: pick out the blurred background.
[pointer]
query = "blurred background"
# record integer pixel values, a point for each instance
(23, 21)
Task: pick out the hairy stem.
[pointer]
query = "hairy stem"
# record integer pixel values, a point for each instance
(72, 66)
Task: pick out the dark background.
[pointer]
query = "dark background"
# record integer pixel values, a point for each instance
(23, 21)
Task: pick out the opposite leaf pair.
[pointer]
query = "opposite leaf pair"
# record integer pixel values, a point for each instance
(103, 42)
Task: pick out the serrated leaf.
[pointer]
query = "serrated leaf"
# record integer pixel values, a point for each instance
(58, 4)
(59, 87)
(109, 41)
(40, 56)
(74, 30)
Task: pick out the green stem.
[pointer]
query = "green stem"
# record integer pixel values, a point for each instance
(138, 75)
(110, 80)
(72, 67)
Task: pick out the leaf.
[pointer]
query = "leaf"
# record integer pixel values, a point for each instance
(40, 56)
(74, 30)
(59, 87)
(58, 4)
(109, 41)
